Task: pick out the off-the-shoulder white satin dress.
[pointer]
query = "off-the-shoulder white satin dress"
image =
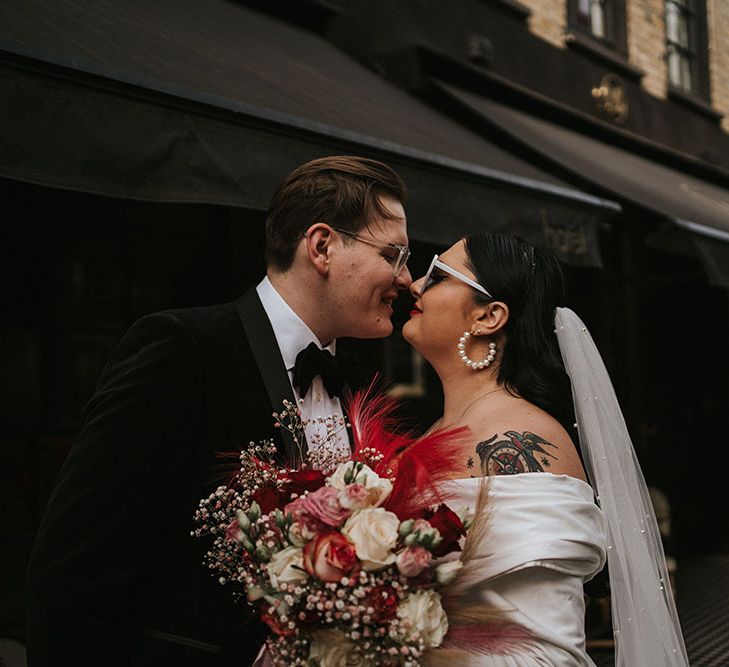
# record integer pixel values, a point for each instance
(546, 537)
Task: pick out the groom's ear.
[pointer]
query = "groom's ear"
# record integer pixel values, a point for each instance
(492, 317)
(318, 239)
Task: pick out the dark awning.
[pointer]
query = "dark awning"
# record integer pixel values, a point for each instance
(209, 101)
(692, 204)
(711, 251)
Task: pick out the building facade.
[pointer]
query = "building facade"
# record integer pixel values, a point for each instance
(679, 46)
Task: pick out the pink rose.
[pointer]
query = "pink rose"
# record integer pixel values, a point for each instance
(295, 508)
(413, 560)
(323, 504)
(233, 531)
(330, 556)
(307, 526)
(422, 525)
(353, 496)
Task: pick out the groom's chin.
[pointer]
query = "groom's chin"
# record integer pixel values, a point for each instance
(384, 328)
(380, 328)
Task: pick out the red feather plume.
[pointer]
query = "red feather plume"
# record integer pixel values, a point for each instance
(417, 465)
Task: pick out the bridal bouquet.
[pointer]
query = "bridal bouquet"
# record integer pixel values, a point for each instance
(342, 561)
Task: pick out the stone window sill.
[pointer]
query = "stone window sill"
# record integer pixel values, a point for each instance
(694, 102)
(599, 51)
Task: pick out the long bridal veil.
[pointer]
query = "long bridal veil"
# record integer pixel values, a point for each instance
(647, 630)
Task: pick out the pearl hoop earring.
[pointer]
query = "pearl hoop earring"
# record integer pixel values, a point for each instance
(475, 365)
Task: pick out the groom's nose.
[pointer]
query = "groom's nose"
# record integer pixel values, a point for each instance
(403, 280)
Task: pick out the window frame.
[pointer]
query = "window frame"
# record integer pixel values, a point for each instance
(616, 34)
(697, 51)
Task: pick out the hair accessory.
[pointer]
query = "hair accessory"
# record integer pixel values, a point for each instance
(532, 261)
(475, 365)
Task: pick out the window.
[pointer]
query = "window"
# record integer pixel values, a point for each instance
(686, 46)
(680, 55)
(591, 15)
(602, 19)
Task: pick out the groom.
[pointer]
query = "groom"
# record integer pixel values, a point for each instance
(114, 577)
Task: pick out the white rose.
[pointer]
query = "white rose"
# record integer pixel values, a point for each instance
(446, 572)
(423, 612)
(286, 566)
(296, 536)
(336, 479)
(330, 648)
(379, 488)
(373, 531)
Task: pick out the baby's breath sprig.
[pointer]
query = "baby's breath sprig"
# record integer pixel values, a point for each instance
(290, 420)
(326, 449)
(371, 456)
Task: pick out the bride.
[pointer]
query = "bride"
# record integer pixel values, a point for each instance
(484, 317)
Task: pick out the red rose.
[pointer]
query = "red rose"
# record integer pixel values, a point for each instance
(267, 497)
(271, 618)
(450, 527)
(303, 480)
(384, 600)
(330, 556)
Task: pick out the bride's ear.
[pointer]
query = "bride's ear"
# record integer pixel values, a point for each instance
(492, 317)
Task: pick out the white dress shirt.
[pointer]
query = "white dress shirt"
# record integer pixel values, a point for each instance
(292, 336)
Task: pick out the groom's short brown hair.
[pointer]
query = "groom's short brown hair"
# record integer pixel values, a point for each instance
(341, 190)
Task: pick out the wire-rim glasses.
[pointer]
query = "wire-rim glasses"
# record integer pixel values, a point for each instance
(398, 262)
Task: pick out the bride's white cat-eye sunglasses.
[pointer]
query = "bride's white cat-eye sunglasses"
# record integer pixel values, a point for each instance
(437, 264)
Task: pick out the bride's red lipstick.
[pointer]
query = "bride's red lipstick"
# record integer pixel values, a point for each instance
(416, 311)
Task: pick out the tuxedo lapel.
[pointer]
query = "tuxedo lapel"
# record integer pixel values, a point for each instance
(262, 341)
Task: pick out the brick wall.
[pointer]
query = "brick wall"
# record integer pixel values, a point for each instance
(718, 22)
(647, 42)
(646, 34)
(548, 19)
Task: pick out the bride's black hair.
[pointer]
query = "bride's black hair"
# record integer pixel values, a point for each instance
(530, 281)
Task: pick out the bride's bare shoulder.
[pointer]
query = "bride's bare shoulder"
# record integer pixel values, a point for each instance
(523, 439)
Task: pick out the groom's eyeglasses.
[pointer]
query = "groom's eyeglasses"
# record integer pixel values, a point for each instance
(437, 264)
(397, 256)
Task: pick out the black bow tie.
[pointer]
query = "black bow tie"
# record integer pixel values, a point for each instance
(313, 361)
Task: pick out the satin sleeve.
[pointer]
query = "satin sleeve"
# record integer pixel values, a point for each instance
(540, 519)
(545, 538)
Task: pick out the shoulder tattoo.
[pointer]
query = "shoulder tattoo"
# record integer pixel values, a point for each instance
(515, 453)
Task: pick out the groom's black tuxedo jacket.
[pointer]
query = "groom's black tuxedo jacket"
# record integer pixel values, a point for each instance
(115, 577)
